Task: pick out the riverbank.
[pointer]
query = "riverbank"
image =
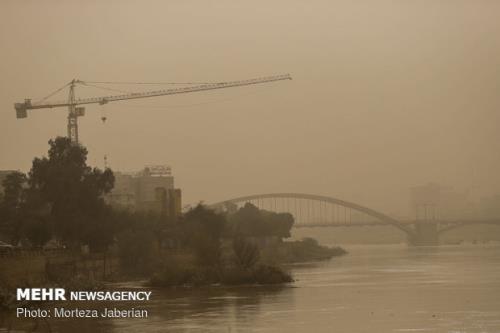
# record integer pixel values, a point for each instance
(245, 264)
(299, 251)
(227, 276)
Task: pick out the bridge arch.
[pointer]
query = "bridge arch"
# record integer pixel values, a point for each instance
(383, 218)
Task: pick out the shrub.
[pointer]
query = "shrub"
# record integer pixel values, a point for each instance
(265, 274)
(237, 275)
(206, 249)
(136, 251)
(178, 273)
(247, 254)
(171, 277)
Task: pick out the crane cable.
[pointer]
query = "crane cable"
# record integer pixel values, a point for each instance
(104, 88)
(104, 139)
(90, 84)
(53, 93)
(151, 83)
(216, 101)
(101, 109)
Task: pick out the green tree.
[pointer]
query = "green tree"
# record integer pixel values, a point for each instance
(250, 221)
(247, 254)
(204, 228)
(37, 230)
(278, 224)
(11, 205)
(136, 251)
(73, 191)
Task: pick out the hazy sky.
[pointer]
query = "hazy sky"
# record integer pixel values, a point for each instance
(386, 94)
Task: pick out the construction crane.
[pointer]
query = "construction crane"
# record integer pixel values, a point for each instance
(75, 111)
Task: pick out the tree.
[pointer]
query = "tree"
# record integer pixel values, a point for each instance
(250, 221)
(247, 222)
(13, 189)
(73, 192)
(204, 228)
(247, 254)
(136, 250)
(11, 205)
(37, 229)
(278, 224)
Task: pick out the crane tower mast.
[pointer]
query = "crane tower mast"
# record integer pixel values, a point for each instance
(75, 111)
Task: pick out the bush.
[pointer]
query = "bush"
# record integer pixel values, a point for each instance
(308, 249)
(237, 275)
(171, 277)
(136, 251)
(181, 275)
(204, 228)
(247, 254)
(206, 249)
(174, 273)
(265, 274)
(337, 251)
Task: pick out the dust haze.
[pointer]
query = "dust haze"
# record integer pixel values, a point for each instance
(385, 95)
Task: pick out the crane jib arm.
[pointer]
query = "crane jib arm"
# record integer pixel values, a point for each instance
(21, 108)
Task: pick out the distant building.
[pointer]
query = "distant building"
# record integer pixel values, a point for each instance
(175, 201)
(436, 202)
(123, 193)
(151, 189)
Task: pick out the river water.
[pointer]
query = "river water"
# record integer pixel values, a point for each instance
(373, 289)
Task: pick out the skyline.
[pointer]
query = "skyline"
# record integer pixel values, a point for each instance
(385, 96)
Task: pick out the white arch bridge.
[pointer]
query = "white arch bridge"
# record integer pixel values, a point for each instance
(311, 210)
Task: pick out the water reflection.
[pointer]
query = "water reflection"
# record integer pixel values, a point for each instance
(206, 308)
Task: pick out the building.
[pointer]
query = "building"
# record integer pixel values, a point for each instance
(123, 193)
(152, 186)
(151, 189)
(175, 202)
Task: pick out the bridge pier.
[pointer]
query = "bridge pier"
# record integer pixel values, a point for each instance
(426, 234)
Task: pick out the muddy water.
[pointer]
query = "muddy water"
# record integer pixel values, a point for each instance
(373, 289)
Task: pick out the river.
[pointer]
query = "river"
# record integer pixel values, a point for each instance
(384, 288)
